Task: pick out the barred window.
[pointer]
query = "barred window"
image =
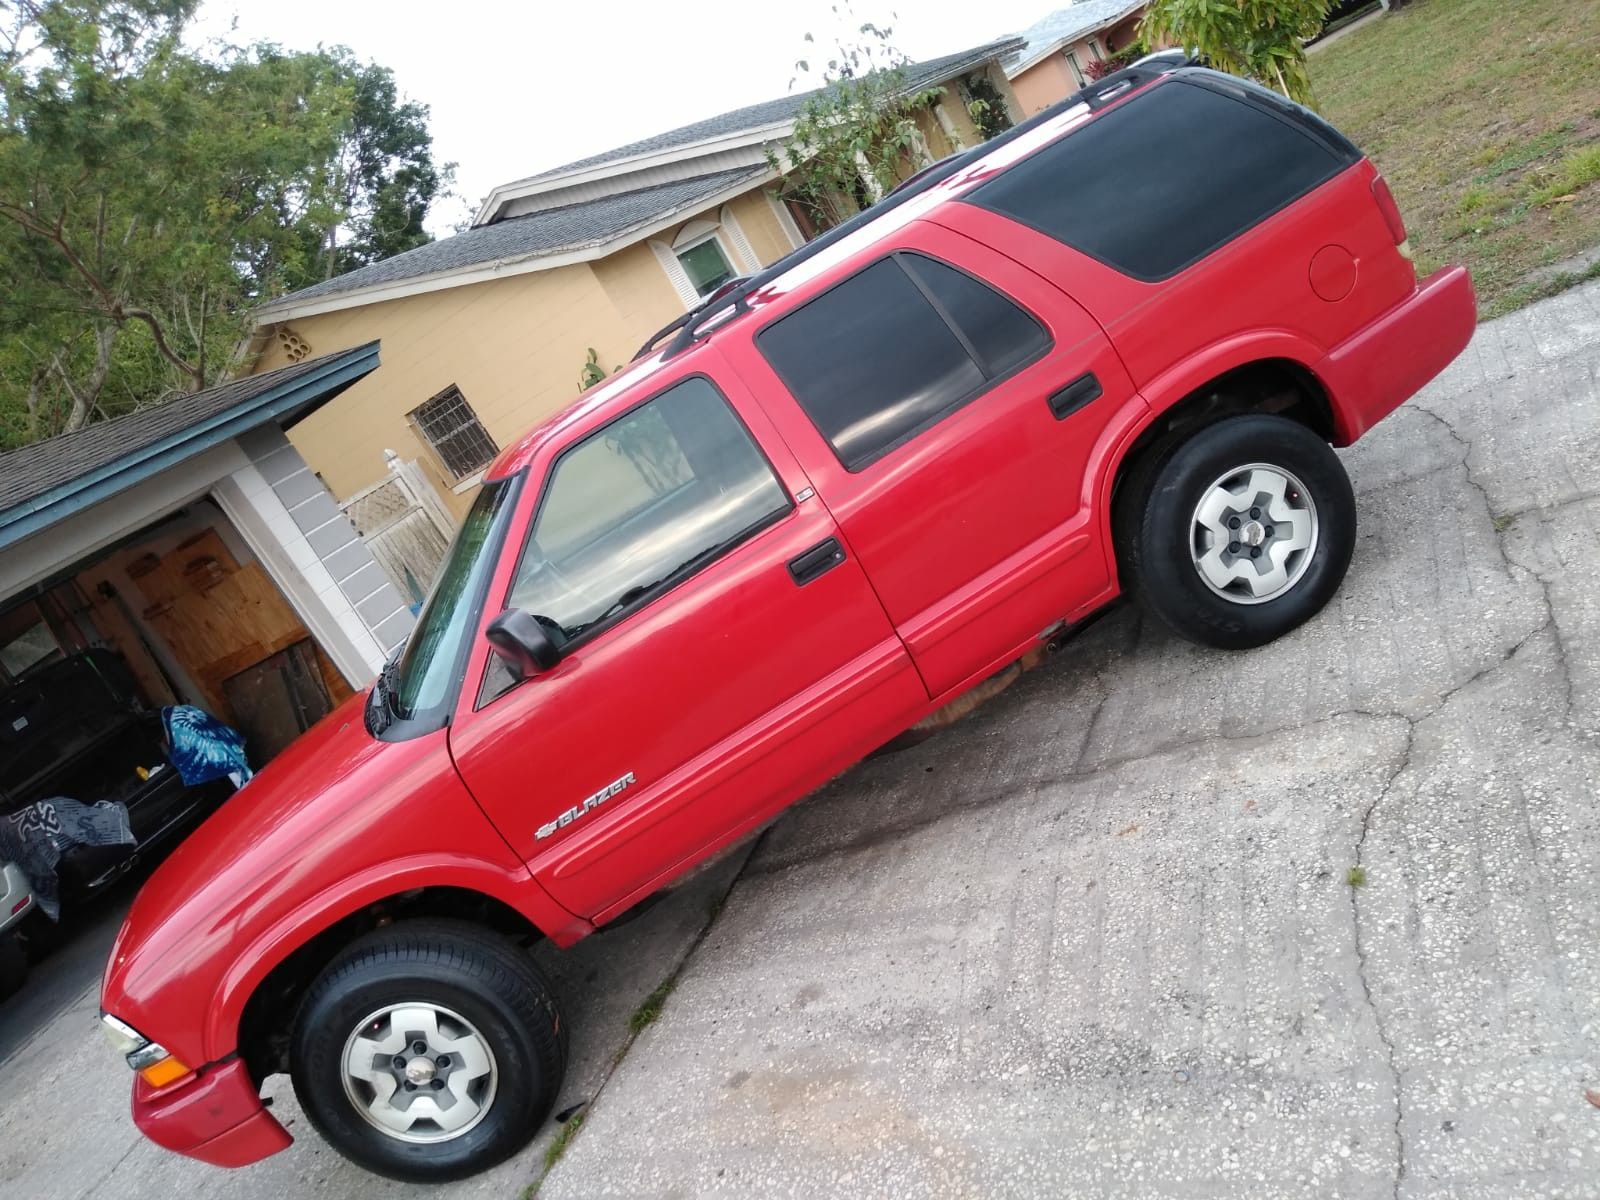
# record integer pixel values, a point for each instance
(454, 432)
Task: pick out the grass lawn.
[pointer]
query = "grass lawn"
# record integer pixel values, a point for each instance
(1484, 115)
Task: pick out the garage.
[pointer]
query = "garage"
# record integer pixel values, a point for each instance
(175, 570)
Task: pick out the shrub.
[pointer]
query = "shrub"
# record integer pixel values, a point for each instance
(1101, 67)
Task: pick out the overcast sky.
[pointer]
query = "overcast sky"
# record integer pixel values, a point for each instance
(516, 88)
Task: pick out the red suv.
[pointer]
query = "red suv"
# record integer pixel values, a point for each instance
(1104, 353)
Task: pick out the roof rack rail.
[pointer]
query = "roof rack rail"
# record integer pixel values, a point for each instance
(679, 322)
(669, 327)
(735, 293)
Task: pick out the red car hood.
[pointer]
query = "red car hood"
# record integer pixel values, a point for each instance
(250, 843)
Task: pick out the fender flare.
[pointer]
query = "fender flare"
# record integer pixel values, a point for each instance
(1162, 391)
(263, 954)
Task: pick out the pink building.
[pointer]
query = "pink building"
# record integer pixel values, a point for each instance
(1056, 57)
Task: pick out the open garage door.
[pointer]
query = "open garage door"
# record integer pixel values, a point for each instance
(215, 628)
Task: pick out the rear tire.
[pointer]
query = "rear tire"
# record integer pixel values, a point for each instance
(1238, 533)
(428, 1051)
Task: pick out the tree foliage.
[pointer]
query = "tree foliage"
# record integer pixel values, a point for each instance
(150, 195)
(1259, 39)
(857, 134)
(382, 176)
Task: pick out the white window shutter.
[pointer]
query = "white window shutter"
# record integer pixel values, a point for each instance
(949, 127)
(786, 220)
(868, 179)
(675, 272)
(741, 244)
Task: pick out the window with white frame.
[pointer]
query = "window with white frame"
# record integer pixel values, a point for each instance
(1077, 68)
(705, 254)
(449, 425)
(705, 262)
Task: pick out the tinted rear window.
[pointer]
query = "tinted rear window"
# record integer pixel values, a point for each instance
(1160, 181)
(883, 355)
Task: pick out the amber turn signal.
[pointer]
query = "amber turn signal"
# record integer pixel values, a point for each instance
(160, 1074)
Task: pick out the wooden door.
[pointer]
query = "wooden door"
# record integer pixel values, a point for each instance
(219, 617)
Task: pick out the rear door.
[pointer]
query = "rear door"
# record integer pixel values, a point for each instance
(948, 403)
(721, 650)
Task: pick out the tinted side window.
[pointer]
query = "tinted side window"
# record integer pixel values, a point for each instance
(998, 333)
(890, 351)
(639, 506)
(1157, 183)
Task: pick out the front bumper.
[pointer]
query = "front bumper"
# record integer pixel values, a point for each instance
(1387, 362)
(216, 1117)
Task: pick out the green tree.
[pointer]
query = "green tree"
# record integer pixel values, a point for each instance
(857, 134)
(150, 195)
(1259, 39)
(382, 174)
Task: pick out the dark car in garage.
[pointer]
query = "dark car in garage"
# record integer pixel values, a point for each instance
(77, 728)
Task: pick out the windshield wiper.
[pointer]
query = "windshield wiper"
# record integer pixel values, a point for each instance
(381, 710)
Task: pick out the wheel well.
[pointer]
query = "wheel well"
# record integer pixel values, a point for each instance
(1273, 385)
(269, 1014)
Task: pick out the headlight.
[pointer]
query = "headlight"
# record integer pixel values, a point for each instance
(155, 1066)
(124, 1038)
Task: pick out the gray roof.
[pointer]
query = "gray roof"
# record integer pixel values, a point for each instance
(770, 112)
(595, 222)
(1066, 25)
(571, 227)
(102, 458)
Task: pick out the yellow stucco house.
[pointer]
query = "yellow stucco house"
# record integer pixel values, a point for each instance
(487, 332)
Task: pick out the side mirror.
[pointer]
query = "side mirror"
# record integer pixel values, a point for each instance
(517, 637)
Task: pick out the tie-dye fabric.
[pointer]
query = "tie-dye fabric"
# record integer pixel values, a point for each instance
(202, 748)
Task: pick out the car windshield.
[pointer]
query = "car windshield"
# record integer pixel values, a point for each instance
(424, 679)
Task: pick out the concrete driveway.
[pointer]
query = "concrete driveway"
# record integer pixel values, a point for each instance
(1315, 920)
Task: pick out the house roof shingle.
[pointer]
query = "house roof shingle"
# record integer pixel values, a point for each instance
(34, 472)
(1063, 26)
(594, 222)
(771, 112)
(570, 227)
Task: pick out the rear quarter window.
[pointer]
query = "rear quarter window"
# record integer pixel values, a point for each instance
(1160, 181)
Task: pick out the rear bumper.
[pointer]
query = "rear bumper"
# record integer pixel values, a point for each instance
(217, 1118)
(1387, 362)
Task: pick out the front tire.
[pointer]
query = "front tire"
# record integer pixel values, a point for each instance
(428, 1051)
(1239, 533)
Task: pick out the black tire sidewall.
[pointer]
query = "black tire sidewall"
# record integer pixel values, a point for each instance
(510, 1009)
(1169, 583)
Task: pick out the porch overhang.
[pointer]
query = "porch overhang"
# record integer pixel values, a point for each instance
(47, 483)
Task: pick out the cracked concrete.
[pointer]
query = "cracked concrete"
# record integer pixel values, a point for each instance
(1097, 940)
(1357, 880)
(65, 1133)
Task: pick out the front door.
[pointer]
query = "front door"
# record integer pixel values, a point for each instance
(947, 403)
(721, 651)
